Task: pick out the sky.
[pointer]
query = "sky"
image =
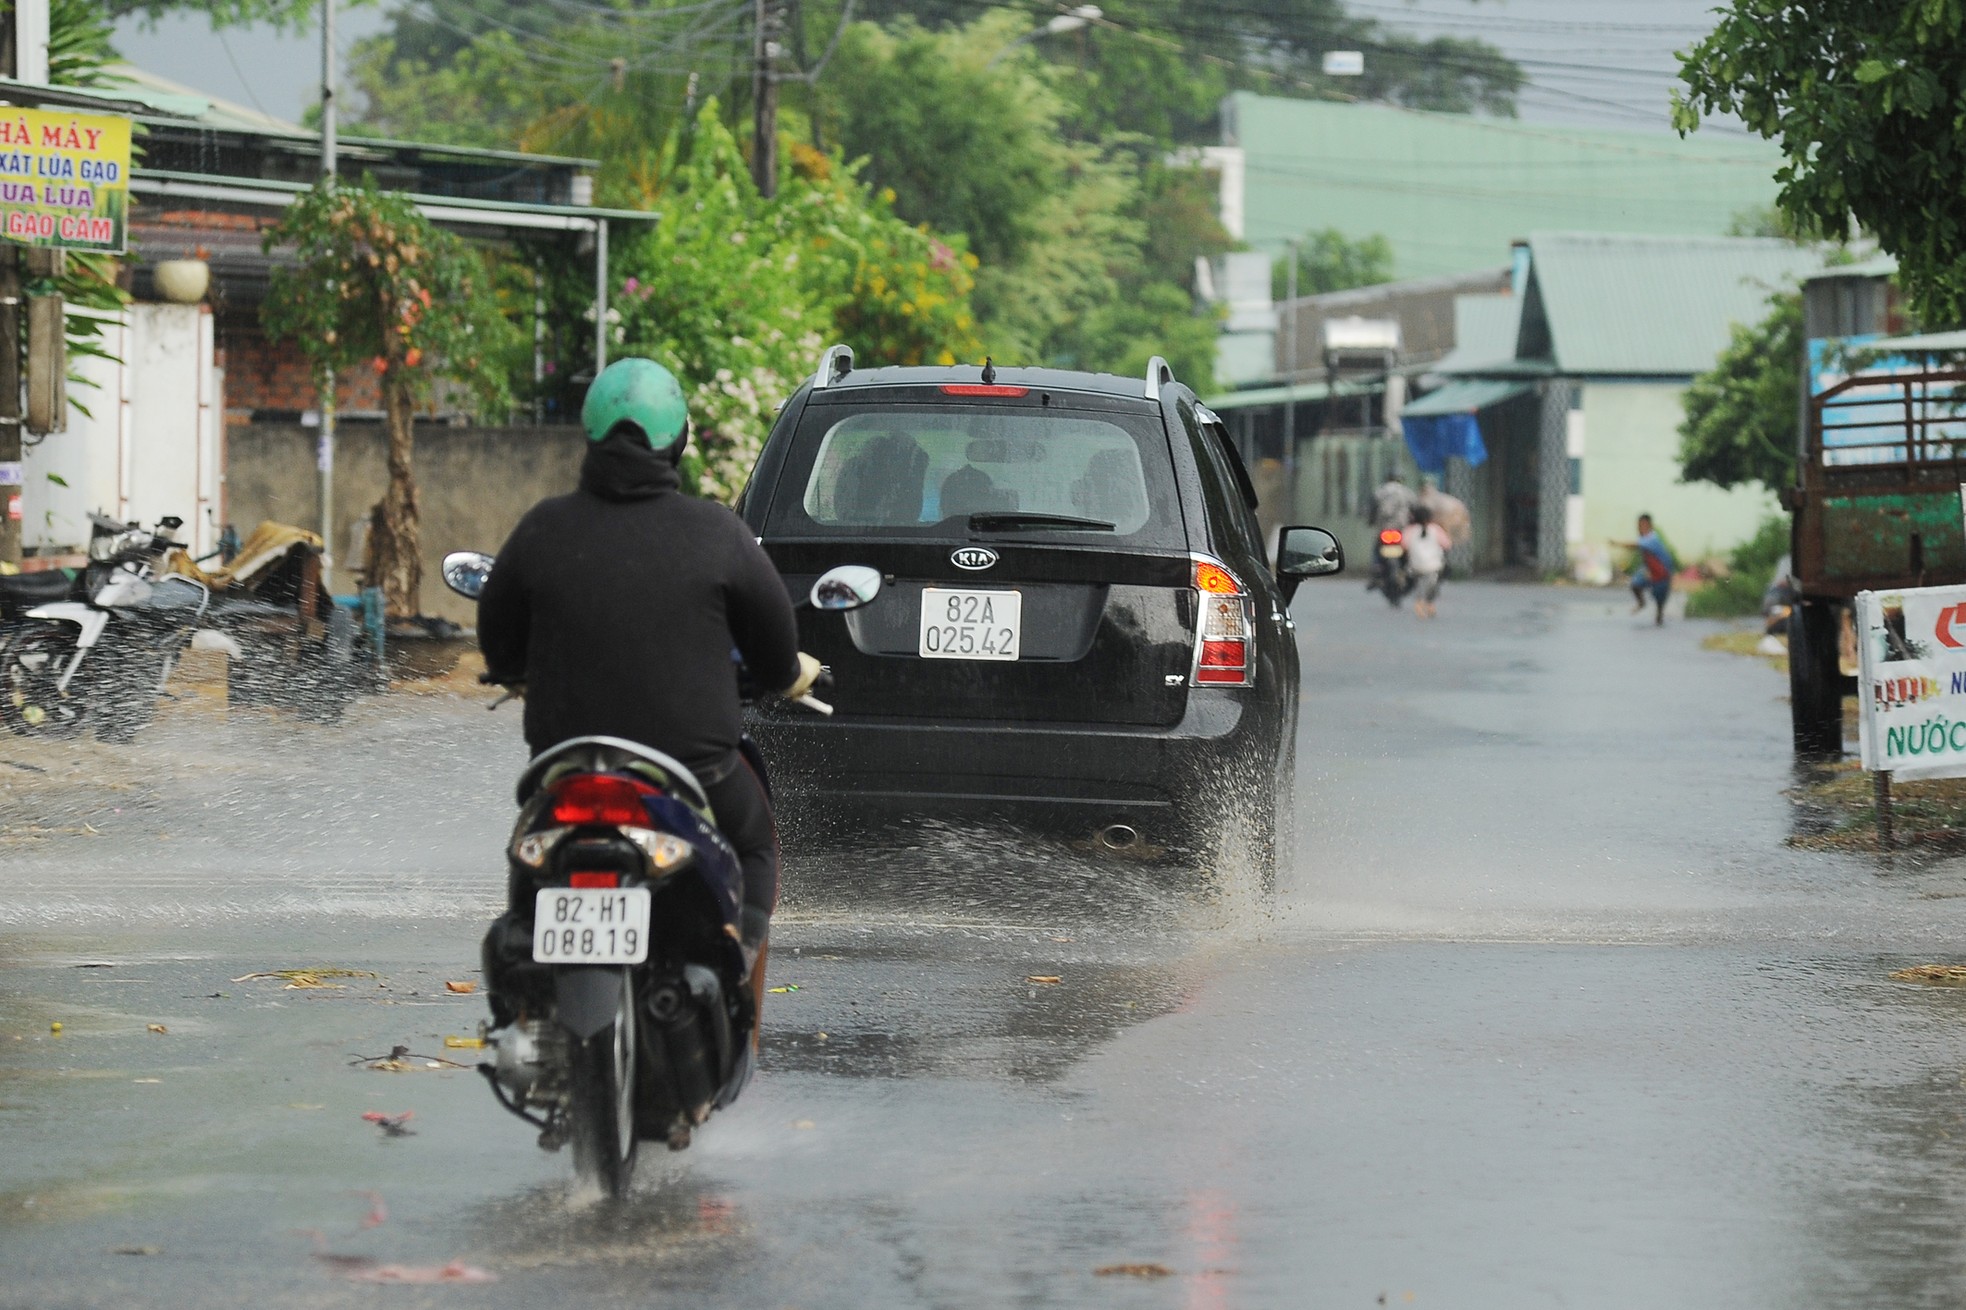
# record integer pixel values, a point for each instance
(1603, 62)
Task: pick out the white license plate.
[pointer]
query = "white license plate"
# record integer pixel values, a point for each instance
(970, 625)
(591, 925)
(1391, 552)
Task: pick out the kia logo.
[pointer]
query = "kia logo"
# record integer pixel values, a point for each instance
(973, 558)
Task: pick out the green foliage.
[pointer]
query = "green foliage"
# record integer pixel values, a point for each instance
(1328, 260)
(484, 94)
(1750, 566)
(1864, 100)
(377, 285)
(740, 295)
(1740, 424)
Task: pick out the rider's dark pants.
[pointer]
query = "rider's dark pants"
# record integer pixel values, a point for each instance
(744, 815)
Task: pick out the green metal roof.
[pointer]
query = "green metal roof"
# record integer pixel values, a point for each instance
(1648, 305)
(1452, 191)
(1260, 397)
(1465, 397)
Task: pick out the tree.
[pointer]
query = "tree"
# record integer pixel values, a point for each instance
(1328, 260)
(1863, 99)
(1741, 414)
(377, 285)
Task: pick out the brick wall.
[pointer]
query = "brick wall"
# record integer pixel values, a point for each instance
(262, 375)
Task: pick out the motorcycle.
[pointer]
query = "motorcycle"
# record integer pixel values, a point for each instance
(1392, 576)
(617, 980)
(128, 623)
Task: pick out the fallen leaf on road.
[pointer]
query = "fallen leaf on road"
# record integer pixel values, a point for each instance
(461, 988)
(780, 991)
(1133, 1271)
(1941, 975)
(307, 979)
(158, 1028)
(137, 1250)
(392, 1125)
(464, 1043)
(454, 1272)
(1045, 979)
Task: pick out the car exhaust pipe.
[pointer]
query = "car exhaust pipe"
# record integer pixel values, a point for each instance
(1118, 837)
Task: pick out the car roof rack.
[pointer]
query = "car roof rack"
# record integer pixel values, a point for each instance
(1157, 373)
(835, 364)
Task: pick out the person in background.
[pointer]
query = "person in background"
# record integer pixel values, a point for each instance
(1653, 571)
(1426, 555)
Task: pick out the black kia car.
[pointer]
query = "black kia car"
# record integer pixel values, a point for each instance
(1079, 629)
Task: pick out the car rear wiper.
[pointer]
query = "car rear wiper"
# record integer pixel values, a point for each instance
(1011, 520)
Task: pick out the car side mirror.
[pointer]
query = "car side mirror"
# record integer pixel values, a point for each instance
(847, 587)
(1304, 552)
(466, 571)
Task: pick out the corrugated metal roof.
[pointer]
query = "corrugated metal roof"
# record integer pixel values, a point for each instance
(1484, 334)
(1465, 397)
(1650, 305)
(1925, 343)
(1263, 397)
(1451, 191)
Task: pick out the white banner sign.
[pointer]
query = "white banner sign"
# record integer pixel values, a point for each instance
(1911, 681)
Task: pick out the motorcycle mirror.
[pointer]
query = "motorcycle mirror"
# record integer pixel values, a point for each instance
(465, 572)
(170, 523)
(847, 587)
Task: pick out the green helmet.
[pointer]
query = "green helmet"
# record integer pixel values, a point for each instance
(641, 392)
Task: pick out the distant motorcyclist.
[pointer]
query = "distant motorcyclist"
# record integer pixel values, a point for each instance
(1392, 503)
(618, 607)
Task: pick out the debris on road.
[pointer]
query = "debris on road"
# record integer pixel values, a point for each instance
(158, 1028)
(399, 1061)
(464, 1043)
(378, 1214)
(55, 1027)
(307, 979)
(1045, 979)
(136, 1250)
(1937, 975)
(454, 1272)
(146, 1080)
(1133, 1271)
(780, 991)
(392, 1125)
(461, 988)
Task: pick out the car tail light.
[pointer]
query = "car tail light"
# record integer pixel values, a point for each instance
(1222, 656)
(981, 389)
(600, 798)
(1391, 536)
(594, 880)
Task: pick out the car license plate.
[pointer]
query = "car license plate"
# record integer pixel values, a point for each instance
(1391, 552)
(970, 625)
(591, 925)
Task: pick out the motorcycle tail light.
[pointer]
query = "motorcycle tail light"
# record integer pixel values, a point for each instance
(600, 798)
(1390, 536)
(594, 880)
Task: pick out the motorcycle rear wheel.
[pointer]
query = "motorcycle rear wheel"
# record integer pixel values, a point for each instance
(601, 1116)
(30, 702)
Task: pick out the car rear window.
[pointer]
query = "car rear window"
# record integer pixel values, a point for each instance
(923, 470)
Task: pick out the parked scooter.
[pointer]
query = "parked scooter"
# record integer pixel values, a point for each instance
(98, 646)
(616, 978)
(1392, 575)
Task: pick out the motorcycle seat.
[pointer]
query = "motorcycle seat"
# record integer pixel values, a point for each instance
(25, 590)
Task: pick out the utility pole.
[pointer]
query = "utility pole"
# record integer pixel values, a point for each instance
(13, 62)
(324, 453)
(764, 101)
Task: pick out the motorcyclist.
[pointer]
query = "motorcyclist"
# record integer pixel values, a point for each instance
(619, 605)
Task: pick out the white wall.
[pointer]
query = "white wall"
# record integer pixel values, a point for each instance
(151, 444)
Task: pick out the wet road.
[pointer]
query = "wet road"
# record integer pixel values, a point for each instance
(1547, 1014)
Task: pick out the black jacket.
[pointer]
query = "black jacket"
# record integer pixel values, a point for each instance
(619, 606)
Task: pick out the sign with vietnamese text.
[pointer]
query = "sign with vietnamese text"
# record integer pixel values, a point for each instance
(1911, 681)
(64, 179)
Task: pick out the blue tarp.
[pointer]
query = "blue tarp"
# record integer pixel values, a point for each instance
(1436, 438)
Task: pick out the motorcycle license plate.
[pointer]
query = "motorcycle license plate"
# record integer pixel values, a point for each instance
(970, 625)
(591, 925)
(1391, 552)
